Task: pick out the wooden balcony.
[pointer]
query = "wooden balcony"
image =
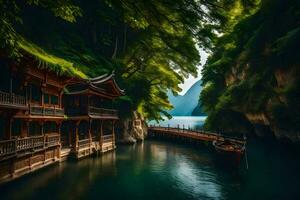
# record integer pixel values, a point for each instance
(85, 143)
(107, 138)
(85, 147)
(20, 146)
(11, 100)
(111, 113)
(46, 111)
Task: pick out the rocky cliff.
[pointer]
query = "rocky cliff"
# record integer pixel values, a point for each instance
(252, 80)
(131, 130)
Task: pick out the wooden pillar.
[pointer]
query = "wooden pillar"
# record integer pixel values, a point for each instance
(59, 128)
(26, 91)
(77, 136)
(70, 135)
(90, 132)
(101, 134)
(59, 133)
(113, 134)
(42, 97)
(60, 98)
(30, 93)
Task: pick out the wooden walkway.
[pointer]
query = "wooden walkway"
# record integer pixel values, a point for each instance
(196, 135)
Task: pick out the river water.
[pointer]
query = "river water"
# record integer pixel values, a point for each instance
(165, 170)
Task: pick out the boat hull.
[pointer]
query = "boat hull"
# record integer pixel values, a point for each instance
(229, 154)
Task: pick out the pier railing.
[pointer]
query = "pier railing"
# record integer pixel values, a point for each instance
(46, 111)
(28, 144)
(182, 130)
(102, 112)
(11, 99)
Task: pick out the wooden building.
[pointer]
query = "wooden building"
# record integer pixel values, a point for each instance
(91, 117)
(33, 114)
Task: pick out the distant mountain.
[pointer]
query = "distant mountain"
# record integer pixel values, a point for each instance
(187, 104)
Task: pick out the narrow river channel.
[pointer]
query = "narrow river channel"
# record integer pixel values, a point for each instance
(164, 170)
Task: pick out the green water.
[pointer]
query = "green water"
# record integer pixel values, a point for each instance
(163, 170)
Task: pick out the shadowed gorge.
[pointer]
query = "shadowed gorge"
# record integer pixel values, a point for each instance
(149, 99)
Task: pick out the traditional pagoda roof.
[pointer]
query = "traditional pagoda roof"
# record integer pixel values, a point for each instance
(104, 85)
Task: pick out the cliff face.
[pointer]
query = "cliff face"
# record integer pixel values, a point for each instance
(131, 130)
(280, 117)
(252, 80)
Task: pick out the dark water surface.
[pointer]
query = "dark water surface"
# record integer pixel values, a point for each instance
(163, 170)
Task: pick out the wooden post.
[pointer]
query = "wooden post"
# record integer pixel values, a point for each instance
(26, 92)
(182, 127)
(113, 134)
(69, 135)
(60, 98)
(42, 98)
(77, 137)
(101, 134)
(90, 132)
(88, 104)
(30, 95)
(59, 139)
(41, 123)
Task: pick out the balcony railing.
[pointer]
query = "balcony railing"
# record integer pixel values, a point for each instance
(107, 138)
(46, 111)
(84, 143)
(28, 144)
(103, 112)
(11, 99)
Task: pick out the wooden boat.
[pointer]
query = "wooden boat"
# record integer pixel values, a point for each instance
(230, 149)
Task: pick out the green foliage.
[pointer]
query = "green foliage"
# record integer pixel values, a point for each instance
(240, 74)
(228, 121)
(10, 16)
(150, 44)
(59, 65)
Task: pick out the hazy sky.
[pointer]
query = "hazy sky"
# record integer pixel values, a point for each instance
(191, 80)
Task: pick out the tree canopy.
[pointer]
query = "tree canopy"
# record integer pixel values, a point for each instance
(152, 45)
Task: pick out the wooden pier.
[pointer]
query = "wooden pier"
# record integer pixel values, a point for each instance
(187, 134)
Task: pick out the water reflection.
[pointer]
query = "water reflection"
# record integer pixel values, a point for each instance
(159, 170)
